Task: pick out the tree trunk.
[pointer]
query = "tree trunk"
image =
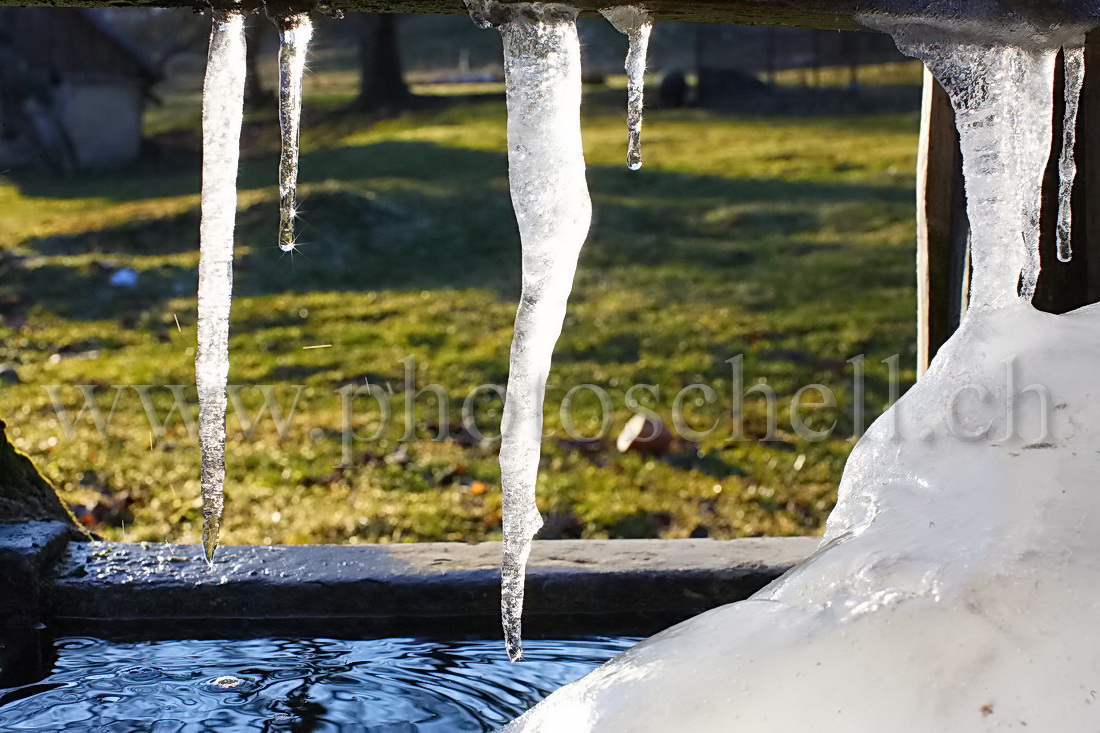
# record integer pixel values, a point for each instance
(24, 494)
(382, 87)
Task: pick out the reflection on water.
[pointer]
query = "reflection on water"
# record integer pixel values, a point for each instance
(380, 686)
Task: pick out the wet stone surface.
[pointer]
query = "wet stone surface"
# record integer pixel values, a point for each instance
(586, 586)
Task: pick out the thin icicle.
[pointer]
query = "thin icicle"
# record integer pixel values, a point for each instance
(633, 22)
(295, 32)
(1067, 166)
(542, 72)
(222, 114)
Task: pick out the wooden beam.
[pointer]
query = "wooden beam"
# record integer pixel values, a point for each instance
(943, 231)
(828, 14)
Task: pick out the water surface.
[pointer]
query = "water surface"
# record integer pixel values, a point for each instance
(286, 684)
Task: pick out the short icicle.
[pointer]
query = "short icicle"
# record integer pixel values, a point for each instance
(222, 115)
(1067, 167)
(636, 25)
(295, 32)
(542, 70)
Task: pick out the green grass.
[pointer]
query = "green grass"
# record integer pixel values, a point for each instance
(908, 73)
(786, 240)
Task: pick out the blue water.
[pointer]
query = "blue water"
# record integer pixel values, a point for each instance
(283, 684)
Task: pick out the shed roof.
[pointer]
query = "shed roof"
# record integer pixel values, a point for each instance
(74, 42)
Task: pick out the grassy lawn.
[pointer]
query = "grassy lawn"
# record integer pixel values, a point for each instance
(787, 240)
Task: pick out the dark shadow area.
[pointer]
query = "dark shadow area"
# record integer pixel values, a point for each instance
(180, 151)
(820, 101)
(27, 656)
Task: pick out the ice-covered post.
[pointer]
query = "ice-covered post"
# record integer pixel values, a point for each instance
(542, 71)
(1005, 129)
(222, 115)
(1072, 178)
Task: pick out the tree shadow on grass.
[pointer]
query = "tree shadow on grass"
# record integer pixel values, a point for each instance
(418, 216)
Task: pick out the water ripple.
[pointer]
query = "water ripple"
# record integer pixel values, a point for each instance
(285, 684)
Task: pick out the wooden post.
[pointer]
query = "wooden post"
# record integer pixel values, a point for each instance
(1064, 286)
(1086, 231)
(943, 232)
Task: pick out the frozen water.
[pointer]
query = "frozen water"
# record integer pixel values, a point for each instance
(633, 22)
(1002, 94)
(1074, 53)
(542, 73)
(956, 586)
(295, 32)
(957, 576)
(222, 114)
(550, 196)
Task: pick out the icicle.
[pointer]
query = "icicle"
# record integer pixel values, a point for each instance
(633, 22)
(1001, 95)
(1067, 167)
(542, 71)
(222, 114)
(295, 32)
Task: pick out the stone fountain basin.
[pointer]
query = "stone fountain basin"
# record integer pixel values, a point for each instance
(574, 587)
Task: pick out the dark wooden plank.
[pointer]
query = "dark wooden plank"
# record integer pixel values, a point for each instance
(830, 14)
(1064, 286)
(1086, 212)
(942, 226)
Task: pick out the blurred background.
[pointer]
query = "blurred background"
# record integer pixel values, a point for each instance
(773, 219)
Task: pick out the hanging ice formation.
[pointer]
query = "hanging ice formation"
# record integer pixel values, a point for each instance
(222, 114)
(542, 73)
(295, 32)
(633, 22)
(1074, 53)
(1002, 94)
(958, 584)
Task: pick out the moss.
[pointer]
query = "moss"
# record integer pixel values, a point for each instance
(24, 494)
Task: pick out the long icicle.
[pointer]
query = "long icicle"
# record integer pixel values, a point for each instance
(633, 22)
(295, 32)
(546, 172)
(1067, 166)
(222, 115)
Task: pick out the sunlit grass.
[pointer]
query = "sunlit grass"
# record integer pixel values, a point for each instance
(786, 240)
(895, 72)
